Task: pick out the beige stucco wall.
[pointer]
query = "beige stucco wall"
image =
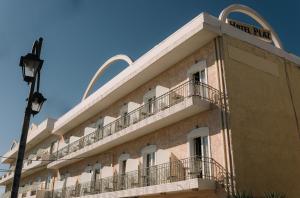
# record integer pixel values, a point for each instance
(293, 73)
(171, 138)
(265, 140)
(170, 78)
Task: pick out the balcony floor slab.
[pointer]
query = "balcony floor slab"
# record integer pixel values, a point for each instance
(180, 186)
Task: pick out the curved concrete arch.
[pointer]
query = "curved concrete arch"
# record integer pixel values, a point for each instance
(119, 57)
(253, 14)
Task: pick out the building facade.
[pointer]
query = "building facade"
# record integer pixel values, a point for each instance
(211, 110)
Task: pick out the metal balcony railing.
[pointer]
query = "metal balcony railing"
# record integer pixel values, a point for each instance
(6, 194)
(40, 159)
(33, 187)
(23, 191)
(165, 101)
(8, 174)
(174, 171)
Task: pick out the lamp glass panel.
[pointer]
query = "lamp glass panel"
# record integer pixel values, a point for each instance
(29, 71)
(30, 67)
(36, 106)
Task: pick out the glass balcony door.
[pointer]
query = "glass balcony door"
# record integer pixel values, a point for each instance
(150, 169)
(199, 78)
(122, 175)
(200, 163)
(96, 180)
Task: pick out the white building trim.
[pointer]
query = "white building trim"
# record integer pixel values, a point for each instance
(180, 186)
(197, 67)
(254, 15)
(184, 41)
(149, 149)
(123, 157)
(119, 57)
(195, 133)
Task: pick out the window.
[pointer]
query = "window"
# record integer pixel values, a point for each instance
(96, 174)
(37, 182)
(149, 170)
(62, 177)
(123, 167)
(67, 140)
(199, 151)
(200, 163)
(96, 177)
(48, 181)
(201, 147)
(89, 168)
(197, 145)
(197, 75)
(203, 76)
(123, 163)
(99, 123)
(125, 118)
(52, 147)
(151, 105)
(148, 154)
(198, 79)
(122, 179)
(150, 160)
(154, 100)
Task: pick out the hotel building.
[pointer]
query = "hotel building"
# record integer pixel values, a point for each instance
(211, 110)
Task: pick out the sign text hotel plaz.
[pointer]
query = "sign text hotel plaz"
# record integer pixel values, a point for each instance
(259, 32)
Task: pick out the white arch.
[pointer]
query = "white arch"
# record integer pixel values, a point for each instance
(103, 67)
(253, 14)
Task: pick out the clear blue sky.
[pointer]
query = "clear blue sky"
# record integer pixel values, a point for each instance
(79, 35)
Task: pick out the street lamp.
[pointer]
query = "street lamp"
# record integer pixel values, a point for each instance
(37, 102)
(31, 66)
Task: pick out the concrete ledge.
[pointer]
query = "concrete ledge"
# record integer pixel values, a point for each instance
(27, 170)
(186, 185)
(36, 135)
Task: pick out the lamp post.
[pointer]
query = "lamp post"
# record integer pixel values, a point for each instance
(31, 66)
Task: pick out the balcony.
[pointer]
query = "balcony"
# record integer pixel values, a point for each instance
(11, 154)
(181, 102)
(37, 189)
(35, 163)
(35, 135)
(176, 176)
(32, 164)
(6, 177)
(6, 194)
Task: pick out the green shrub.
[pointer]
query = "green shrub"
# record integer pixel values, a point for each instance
(274, 195)
(243, 195)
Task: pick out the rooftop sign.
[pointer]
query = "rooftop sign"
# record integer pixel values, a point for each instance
(250, 29)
